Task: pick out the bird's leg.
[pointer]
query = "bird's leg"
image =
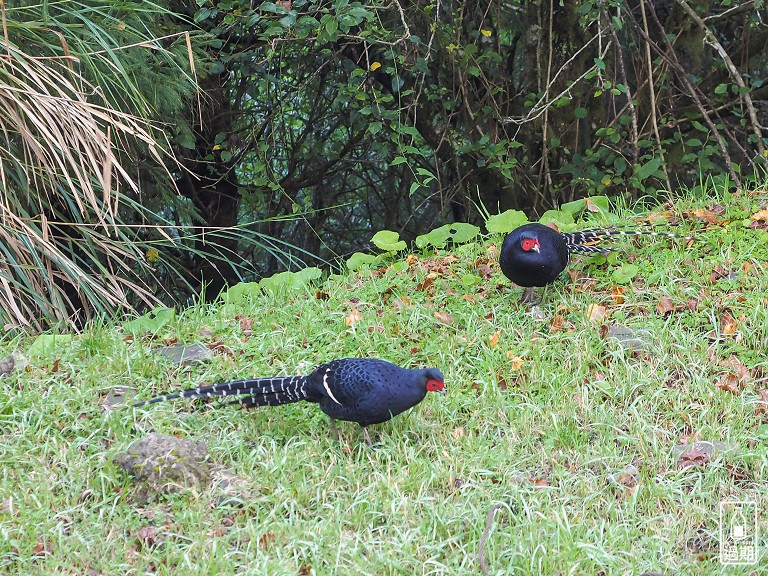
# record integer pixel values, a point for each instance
(367, 437)
(529, 297)
(334, 430)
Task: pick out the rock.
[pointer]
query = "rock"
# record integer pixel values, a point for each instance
(184, 355)
(162, 464)
(628, 339)
(15, 361)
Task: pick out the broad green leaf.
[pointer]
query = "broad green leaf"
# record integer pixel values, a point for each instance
(649, 168)
(240, 293)
(470, 280)
(289, 280)
(359, 259)
(388, 240)
(558, 217)
(458, 232)
(624, 274)
(601, 202)
(152, 321)
(46, 343)
(574, 207)
(506, 221)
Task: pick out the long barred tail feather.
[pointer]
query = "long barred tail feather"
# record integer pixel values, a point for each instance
(274, 391)
(587, 241)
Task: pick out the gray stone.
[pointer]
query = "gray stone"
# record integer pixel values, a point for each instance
(183, 354)
(163, 464)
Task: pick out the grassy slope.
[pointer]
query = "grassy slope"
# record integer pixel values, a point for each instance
(545, 445)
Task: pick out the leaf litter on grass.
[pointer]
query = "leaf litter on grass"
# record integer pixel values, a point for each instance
(544, 400)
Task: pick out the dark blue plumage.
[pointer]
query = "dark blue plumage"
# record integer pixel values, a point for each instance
(362, 390)
(535, 255)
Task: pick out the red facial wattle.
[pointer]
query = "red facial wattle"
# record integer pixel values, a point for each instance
(531, 244)
(435, 386)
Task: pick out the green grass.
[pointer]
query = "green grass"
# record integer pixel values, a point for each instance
(544, 441)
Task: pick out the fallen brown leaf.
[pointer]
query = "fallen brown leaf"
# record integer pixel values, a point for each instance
(617, 294)
(517, 362)
(246, 325)
(705, 215)
(401, 303)
(266, 539)
(729, 383)
(575, 275)
(719, 272)
(728, 324)
(485, 271)
(591, 206)
(760, 215)
(353, 317)
(694, 456)
(42, 547)
(665, 306)
(429, 279)
(494, 338)
(147, 536)
(738, 367)
(596, 313)
(444, 317)
(411, 259)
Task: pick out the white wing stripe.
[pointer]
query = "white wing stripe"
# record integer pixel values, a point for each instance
(328, 388)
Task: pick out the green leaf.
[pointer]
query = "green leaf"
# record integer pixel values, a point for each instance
(721, 89)
(458, 232)
(648, 169)
(359, 260)
(699, 126)
(624, 274)
(289, 280)
(241, 293)
(152, 321)
(46, 343)
(388, 240)
(574, 207)
(601, 202)
(470, 280)
(557, 217)
(505, 222)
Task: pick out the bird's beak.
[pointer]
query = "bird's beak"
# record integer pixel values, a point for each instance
(536, 248)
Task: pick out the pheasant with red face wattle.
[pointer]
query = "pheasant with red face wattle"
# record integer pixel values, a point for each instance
(362, 390)
(535, 255)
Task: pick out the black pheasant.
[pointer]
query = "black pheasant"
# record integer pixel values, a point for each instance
(535, 255)
(362, 390)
